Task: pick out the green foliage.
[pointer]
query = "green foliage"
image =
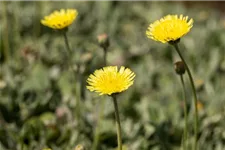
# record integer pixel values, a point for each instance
(38, 92)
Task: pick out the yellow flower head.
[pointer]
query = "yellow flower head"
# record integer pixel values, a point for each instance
(170, 28)
(60, 19)
(110, 80)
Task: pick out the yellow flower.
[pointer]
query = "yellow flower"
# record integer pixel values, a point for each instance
(60, 19)
(170, 28)
(110, 80)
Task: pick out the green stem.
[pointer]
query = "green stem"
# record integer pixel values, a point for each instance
(102, 108)
(6, 47)
(67, 43)
(105, 56)
(195, 95)
(185, 113)
(38, 9)
(78, 92)
(76, 75)
(119, 139)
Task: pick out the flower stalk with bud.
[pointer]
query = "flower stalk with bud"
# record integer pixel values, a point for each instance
(170, 29)
(103, 41)
(180, 70)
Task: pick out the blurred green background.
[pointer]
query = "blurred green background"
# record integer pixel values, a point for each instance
(37, 93)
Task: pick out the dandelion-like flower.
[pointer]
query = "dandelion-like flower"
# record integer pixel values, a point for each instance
(60, 19)
(169, 28)
(110, 80)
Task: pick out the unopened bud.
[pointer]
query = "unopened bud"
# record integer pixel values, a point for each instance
(103, 40)
(179, 67)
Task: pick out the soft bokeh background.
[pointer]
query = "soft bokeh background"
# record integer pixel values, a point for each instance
(37, 98)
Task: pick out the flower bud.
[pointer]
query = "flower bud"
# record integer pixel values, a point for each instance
(179, 67)
(103, 40)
